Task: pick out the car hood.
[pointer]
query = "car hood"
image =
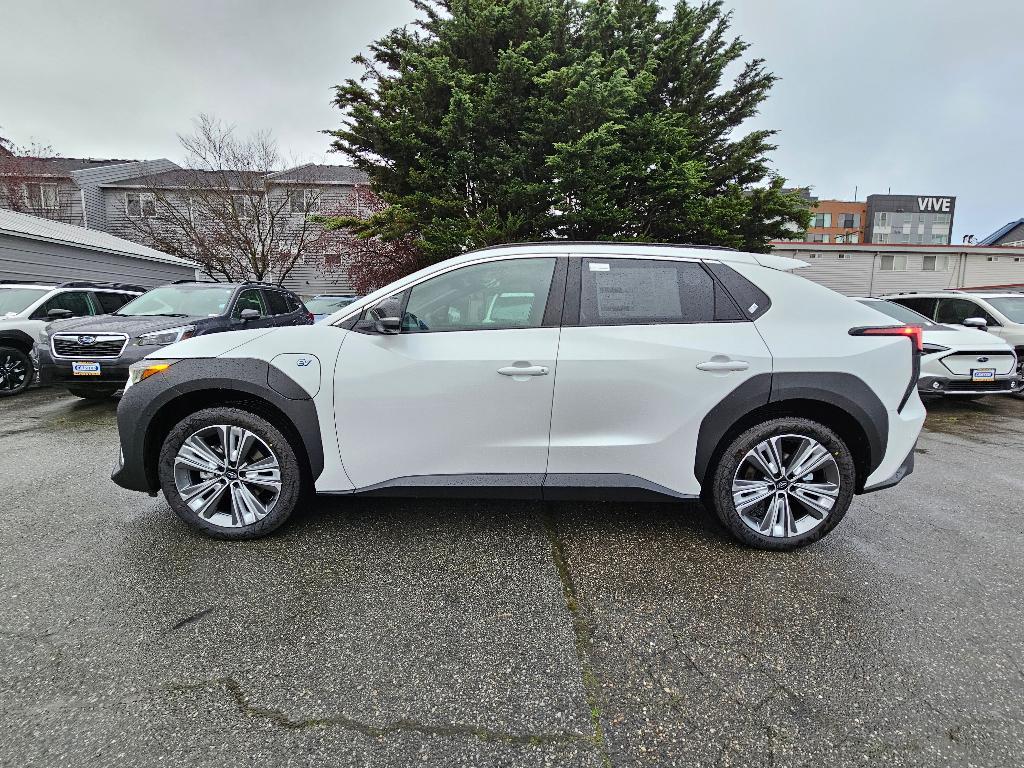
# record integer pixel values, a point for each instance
(133, 325)
(964, 338)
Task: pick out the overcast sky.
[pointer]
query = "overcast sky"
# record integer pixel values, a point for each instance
(919, 96)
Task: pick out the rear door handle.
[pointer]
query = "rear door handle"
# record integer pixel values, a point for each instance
(723, 365)
(524, 370)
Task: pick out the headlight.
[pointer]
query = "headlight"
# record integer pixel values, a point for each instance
(163, 338)
(931, 349)
(145, 368)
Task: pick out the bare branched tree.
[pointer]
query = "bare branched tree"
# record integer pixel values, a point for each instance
(27, 184)
(226, 210)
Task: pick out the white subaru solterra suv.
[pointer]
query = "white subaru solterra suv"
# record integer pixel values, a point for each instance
(614, 371)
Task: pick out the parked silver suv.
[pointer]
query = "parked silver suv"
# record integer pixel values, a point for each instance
(26, 308)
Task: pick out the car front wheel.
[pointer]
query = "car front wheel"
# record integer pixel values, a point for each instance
(230, 473)
(784, 483)
(15, 371)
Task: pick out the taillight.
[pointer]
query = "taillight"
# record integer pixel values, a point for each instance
(912, 332)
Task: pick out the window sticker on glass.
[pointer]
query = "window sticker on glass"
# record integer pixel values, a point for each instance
(631, 292)
(598, 267)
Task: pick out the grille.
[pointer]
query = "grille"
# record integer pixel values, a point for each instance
(978, 386)
(963, 362)
(104, 345)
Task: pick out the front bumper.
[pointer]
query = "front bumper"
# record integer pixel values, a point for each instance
(113, 371)
(941, 385)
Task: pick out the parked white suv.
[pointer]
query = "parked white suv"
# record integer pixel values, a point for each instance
(955, 360)
(999, 313)
(634, 371)
(27, 308)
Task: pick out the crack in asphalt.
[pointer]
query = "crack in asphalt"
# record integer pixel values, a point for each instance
(193, 618)
(583, 635)
(281, 719)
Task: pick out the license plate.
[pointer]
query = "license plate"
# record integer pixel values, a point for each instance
(983, 374)
(85, 369)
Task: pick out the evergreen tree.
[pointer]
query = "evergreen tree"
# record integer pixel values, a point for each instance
(491, 121)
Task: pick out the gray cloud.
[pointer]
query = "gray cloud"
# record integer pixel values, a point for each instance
(922, 97)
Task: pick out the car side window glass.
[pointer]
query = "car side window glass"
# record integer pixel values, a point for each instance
(111, 302)
(955, 311)
(276, 300)
(75, 302)
(511, 293)
(291, 301)
(650, 291)
(250, 298)
(923, 306)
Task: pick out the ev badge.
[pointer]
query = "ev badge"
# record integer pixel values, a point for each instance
(303, 362)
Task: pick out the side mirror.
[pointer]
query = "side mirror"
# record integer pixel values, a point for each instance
(385, 325)
(60, 314)
(976, 322)
(249, 314)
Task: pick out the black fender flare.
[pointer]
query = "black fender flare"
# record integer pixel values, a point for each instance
(142, 406)
(17, 339)
(842, 390)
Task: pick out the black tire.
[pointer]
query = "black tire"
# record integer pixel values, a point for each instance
(91, 393)
(16, 371)
(291, 473)
(722, 500)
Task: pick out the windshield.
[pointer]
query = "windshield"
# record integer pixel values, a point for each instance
(325, 305)
(179, 300)
(1011, 306)
(15, 300)
(898, 312)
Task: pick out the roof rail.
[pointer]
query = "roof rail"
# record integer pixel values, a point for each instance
(605, 242)
(26, 282)
(95, 284)
(182, 282)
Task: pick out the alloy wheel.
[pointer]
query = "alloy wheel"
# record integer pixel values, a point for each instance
(786, 486)
(13, 372)
(227, 476)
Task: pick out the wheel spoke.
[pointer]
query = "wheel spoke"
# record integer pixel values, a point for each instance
(810, 457)
(765, 457)
(817, 498)
(246, 507)
(748, 492)
(241, 442)
(198, 451)
(203, 497)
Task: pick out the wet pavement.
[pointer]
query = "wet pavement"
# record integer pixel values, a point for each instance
(398, 632)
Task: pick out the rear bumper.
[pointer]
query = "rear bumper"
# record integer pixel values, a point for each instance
(941, 385)
(904, 429)
(904, 469)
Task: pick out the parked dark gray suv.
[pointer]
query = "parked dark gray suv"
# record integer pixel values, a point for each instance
(90, 355)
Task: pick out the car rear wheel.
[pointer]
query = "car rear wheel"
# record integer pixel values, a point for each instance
(784, 483)
(15, 371)
(90, 393)
(230, 473)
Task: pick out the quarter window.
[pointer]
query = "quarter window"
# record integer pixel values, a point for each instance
(276, 300)
(111, 302)
(496, 295)
(649, 291)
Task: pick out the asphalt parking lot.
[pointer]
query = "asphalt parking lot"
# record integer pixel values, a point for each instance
(397, 632)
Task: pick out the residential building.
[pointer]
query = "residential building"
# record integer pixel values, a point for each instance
(878, 268)
(48, 251)
(837, 221)
(910, 219)
(1010, 234)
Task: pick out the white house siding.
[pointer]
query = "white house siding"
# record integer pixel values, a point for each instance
(23, 258)
(90, 179)
(860, 274)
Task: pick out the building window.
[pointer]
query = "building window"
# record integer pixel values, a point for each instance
(882, 219)
(813, 255)
(817, 238)
(821, 220)
(938, 240)
(44, 197)
(941, 218)
(908, 219)
(841, 256)
(935, 263)
(241, 207)
(992, 258)
(303, 200)
(893, 263)
(881, 238)
(897, 229)
(140, 204)
(851, 237)
(848, 220)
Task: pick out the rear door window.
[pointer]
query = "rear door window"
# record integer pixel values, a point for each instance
(111, 302)
(277, 302)
(651, 291)
(921, 305)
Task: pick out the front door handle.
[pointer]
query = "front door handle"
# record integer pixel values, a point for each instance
(717, 363)
(524, 370)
